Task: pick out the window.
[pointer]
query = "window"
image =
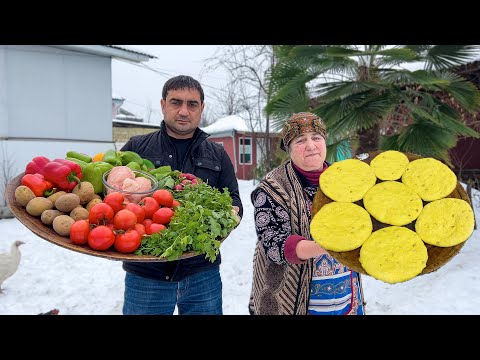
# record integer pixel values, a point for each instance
(245, 150)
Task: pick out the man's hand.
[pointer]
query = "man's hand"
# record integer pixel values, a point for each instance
(235, 210)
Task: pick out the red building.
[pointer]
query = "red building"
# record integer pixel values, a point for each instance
(243, 142)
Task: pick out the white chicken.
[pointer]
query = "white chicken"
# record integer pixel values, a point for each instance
(9, 262)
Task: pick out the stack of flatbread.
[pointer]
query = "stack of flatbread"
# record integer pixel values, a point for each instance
(397, 193)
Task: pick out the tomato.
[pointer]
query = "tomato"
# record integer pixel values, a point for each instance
(127, 242)
(147, 223)
(137, 210)
(162, 216)
(101, 238)
(154, 228)
(79, 232)
(100, 214)
(175, 204)
(163, 197)
(140, 228)
(115, 200)
(150, 205)
(125, 220)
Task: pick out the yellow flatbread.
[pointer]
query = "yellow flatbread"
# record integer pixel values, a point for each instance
(391, 202)
(393, 254)
(341, 226)
(347, 180)
(389, 165)
(429, 178)
(445, 222)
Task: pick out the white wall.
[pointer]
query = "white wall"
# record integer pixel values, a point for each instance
(52, 93)
(52, 101)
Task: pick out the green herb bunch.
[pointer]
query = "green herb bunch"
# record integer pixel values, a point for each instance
(199, 224)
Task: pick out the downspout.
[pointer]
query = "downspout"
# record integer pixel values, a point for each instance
(234, 151)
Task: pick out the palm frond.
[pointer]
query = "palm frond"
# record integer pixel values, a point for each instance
(427, 139)
(338, 150)
(333, 90)
(323, 51)
(365, 115)
(464, 92)
(283, 108)
(443, 57)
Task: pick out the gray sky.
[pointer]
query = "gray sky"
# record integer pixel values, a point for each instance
(142, 88)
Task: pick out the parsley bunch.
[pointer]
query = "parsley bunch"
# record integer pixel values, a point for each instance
(199, 224)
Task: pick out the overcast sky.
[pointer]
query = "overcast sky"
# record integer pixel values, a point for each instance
(142, 88)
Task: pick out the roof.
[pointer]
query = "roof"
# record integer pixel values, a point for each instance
(233, 122)
(127, 123)
(114, 51)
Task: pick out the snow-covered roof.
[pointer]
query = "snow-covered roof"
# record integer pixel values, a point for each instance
(233, 122)
(228, 123)
(135, 123)
(117, 97)
(115, 51)
(132, 49)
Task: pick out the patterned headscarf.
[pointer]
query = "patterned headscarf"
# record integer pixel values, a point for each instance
(300, 123)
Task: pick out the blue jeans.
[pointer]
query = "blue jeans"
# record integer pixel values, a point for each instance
(197, 294)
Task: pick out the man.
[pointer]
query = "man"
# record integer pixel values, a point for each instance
(194, 284)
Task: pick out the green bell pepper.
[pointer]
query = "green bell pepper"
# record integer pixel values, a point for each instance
(134, 165)
(148, 164)
(130, 156)
(112, 157)
(93, 173)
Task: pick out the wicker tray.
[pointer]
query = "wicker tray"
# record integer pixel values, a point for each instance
(437, 256)
(35, 225)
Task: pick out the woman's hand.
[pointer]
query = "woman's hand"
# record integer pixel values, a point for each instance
(307, 249)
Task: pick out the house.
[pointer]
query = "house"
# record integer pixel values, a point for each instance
(126, 124)
(243, 142)
(56, 98)
(123, 130)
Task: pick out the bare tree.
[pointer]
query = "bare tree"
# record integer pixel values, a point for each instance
(229, 99)
(208, 117)
(148, 111)
(248, 90)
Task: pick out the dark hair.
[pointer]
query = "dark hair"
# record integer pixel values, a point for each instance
(182, 82)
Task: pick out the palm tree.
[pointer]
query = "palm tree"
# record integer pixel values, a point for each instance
(370, 98)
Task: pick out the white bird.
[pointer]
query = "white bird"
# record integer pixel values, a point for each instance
(9, 262)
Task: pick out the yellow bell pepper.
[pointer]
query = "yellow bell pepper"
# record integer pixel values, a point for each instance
(98, 157)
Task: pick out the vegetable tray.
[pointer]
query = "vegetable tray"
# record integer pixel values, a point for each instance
(437, 256)
(35, 225)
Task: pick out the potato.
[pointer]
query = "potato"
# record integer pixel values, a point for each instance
(48, 216)
(23, 195)
(79, 213)
(62, 224)
(67, 202)
(38, 205)
(55, 196)
(93, 202)
(96, 196)
(85, 192)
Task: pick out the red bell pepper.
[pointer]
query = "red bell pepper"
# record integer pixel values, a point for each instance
(35, 166)
(65, 174)
(38, 184)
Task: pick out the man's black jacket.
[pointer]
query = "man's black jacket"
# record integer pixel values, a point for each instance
(204, 159)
